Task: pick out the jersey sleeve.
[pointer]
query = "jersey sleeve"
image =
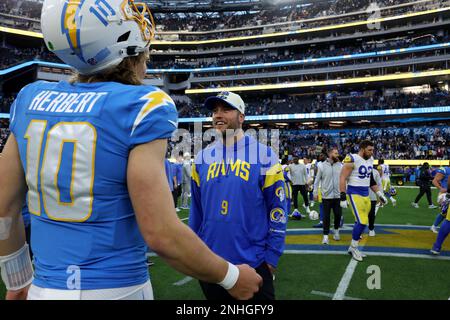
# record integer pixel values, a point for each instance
(154, 116)
(12, 116)
(377, 177)
(349, 159)
(317, 181)
(195, 212)
(273, 189)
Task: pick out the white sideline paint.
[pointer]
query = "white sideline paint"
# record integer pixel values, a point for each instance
(345, 281)
(183, 281)
(350, 227)
(184, 219)
(373, 254)
(330, 295)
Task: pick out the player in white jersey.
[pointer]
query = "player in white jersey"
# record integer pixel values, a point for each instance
(355, 180)
(385, 174)
(309, 179)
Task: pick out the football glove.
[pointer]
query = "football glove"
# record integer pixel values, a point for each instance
(382, 197)
(343, 202)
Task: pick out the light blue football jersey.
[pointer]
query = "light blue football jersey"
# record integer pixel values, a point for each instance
(446, 172)
(74, 141)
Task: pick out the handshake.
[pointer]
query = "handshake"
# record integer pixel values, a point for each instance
(344, 203)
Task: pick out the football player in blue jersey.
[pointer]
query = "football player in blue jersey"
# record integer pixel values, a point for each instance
(238, 202)
(26, 223)
(440, 181)
(444, 231)
(91, 155)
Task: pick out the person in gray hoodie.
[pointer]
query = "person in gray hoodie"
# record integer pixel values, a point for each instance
(328, 178)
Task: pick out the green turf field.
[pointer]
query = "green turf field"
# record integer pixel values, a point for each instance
(309, 270)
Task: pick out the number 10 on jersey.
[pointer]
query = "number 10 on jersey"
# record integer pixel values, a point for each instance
(84, 137)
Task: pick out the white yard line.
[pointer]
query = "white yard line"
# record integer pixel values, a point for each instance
(345, 281)
(330, 295)
(184, 219)
(183, 281)
(374, 254)
(350, 227)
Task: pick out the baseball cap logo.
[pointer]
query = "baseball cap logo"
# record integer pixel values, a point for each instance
(223, 95)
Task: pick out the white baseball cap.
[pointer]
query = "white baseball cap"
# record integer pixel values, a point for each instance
(232, 99)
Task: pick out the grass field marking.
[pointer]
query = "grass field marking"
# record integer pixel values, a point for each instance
(374, 254)
(184, 219)
(330, 295)
(345, 281)
(403, 226)
(183, 281)
(350, 227)
(345, 227)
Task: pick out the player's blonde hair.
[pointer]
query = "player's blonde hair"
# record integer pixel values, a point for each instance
(125, 72)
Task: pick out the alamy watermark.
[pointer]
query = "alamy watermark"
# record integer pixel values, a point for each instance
(186, 142)
(374, 280)
(74, 278)
(374, 12)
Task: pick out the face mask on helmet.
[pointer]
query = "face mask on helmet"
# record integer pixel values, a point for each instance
(139, 12)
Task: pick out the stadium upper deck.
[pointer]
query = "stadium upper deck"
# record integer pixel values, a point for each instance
(409, 47)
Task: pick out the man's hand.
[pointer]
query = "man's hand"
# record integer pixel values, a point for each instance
(316, 198)
(382, 197)
(343, 202)
(20, 294)
(247, 284)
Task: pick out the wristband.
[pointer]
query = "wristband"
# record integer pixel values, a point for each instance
(231, 277)
(16, 269)
(343, 196)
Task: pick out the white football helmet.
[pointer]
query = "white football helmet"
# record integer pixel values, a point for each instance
(94, 35)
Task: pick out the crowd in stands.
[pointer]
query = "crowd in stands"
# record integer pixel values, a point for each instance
(329, 102)
(10, 55)
(290, 17)
(324, 102)
(428, 143)
(30, 9)
(212, 21)
(4, 132)
(231, 20)
(5, 103)
(300, 53)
